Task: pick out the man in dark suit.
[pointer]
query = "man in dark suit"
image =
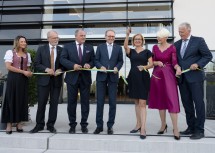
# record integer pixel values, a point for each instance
(75, 56)
(108, 57)
(193, 54)
(48, 60)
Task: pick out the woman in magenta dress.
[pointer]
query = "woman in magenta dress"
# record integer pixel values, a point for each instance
(163, 86)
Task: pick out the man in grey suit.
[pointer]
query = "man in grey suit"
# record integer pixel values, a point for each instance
(108, 57)
(77, 55)
(193, 54)
(48, 60)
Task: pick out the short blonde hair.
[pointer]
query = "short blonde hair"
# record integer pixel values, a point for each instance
(163, 33)
(142, 38)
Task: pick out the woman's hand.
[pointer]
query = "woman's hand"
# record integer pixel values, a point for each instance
(128, 31)
(178, 71)
(159, 63)
(141, 68)
(28, 73)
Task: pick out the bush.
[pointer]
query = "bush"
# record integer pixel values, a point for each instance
(32, 91)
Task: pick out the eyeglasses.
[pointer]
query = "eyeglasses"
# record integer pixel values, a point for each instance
(137, 39)
(111, 36)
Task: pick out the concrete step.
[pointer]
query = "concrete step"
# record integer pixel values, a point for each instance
(24, 140)
(79, 151)
(102, 143)
(18, 150)
(128, 143)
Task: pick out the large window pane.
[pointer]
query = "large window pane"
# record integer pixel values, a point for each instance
(149, 29)
(107, 1)
(63, 1)
(22, 2)
(17, 14)
(12, 33)
(147, 0)
(63, 13)
(105, 12)
(21, 18)
(152, 10)
(62, 32)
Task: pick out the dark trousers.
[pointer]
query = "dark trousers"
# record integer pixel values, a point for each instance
(192, 95)
(112, 92)
(72, 91)
(43, 95)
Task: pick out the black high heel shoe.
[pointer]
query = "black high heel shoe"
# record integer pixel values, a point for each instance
(162, 132)
(9, 132)
(143, 136)
(135, 131)
(19, 130)
(176, 137)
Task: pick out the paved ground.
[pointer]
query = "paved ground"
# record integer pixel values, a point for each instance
(125, 120)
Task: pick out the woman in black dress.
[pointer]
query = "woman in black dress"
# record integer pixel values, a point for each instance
(139, 79)
(15, 106)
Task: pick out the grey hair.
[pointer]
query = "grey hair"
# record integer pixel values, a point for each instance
(186, 25)
(108, 31)
(51, 31)
(77, 31)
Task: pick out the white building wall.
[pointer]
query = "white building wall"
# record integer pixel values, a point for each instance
(200, 14)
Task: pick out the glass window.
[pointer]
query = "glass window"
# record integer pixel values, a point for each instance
(149, 10)
(63, 13)
(147, 0)
(105, 12)
(21, 18)
(17, 14)
(62, 32)
(12, 33)
(63, 1)
(98, 30)
(22, 2)
(107, 1)
(149, 29)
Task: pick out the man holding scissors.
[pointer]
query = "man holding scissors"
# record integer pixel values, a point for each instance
(108, 57)
(193, 54)
(47, 61)
(75, 56)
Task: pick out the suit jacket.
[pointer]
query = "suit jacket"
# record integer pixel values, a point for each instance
(42, 61)
(102, 59)
(196, 52)
(69, 58)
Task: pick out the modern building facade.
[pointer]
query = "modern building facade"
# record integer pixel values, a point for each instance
(33, 18)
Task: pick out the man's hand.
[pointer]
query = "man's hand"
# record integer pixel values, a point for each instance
(103, 69)
(77, 67)
(87, 66)
(194, 66)
(49, 71)
(58, 72)
(115, 70)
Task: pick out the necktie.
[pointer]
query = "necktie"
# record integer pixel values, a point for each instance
(79, 52)
(52, 57)
(109, 50)
(183, 48)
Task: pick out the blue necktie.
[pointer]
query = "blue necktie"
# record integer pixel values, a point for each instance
(183, 48)
(109, 50)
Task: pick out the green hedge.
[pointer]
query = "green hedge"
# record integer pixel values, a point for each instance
(32, 91)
